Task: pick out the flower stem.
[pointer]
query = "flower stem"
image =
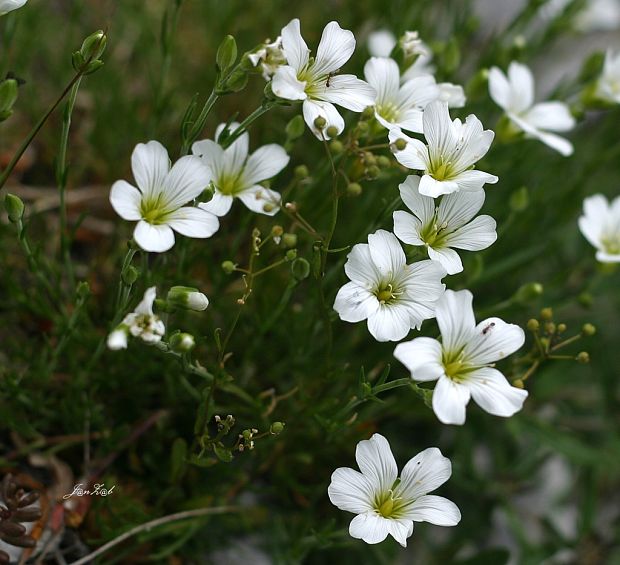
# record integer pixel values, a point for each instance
(243, 126)
(199, 124)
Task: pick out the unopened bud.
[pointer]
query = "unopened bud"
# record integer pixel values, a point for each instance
(332, 131)
(301, 172)
(300, 269)
(226, 54)
(373, 172)
(354, 189)
(182, 342)
(383, 161)
(362, 127)
(88, 59)
(130, 275)
(583, 357)
(369, 112)
(369, 158)
(561, 328)
(277, 231)
(550, 327)
(588, 330)
(546, 313)
(228, 267)
(295, 128)
(336, 147)
(533, 325)
(528, 292)
(82, 290)
(400, 144)
(320, 122)
(276, 428)
(518, 383)
(268, 207)
(8, 96)
(289, 240)
(187, 297)
(291, 254)
(14, 208)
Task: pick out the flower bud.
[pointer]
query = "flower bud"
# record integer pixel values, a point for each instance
(118, 338)
(528, 292)
(228, 267)
(289, 240)
(583, 357)
(561, 328)
(519, 199)
(588, 330)
(300, 269)
(369, 112)
(182, 342)
(82, 290)
(546, 313)
(550, 327)
(336, 147)
(384, 161)
(533, 325)
(291, 254)
(268, 207)
(8, 96)
(362, 127)
(88, 59)
(295, 128)
(130, 275)
(332, 131)
(354, 189)
(277, 231)
(518, 383)
(276, 428)
(14, 208)
(301, 172)
(226, 54)
(400, 144)
(188, 298)
(369, 158)
(373, 172)
(320, 122)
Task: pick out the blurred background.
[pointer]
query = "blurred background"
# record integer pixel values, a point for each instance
(539, 488)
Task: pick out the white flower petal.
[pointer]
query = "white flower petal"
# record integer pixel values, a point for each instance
(386, 252)
(552, 116)
(376, 462)
(422, 206)
(193, 222)
(235, 155)
(360, 267)
(400, 530)
(351, 491)
(285, 84)
(155, 238)
(448, 258)
(422, 356)
(478, 234)
(521, 87)
(450, 400)
(146, 304)
(473, 180)
(295, 49)
(219, 205)
(452, 94)
(422, 474)
(390, 322)
(473, 142)
(407, 228)
(455, 210)
(414, 155)
(334, 50)
(499, 88)
(354, 303)
(312, 109)
(383, 75)
(212, 155)
(492, 340)
(349, 92)
(185, 181)
(438, 128)
(559, 144)
(455, 317)
(381, 43)
(150, 165)
(434, 188)
(410, 120)
(435, 510)
(117, 339)
(493, 393)
(126, 200)
(257, 197)
(266, 162)
(369, 527)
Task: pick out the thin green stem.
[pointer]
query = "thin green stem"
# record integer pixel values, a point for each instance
(243, 126)
(199, 124)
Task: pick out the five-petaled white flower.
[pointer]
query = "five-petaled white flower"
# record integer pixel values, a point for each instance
(236, 174)
(386, 504)
(392, 296)
(158, 204)
(600, 225)
(7, 6)
(314, 80)
(399, 106)
(270, 56)
(453, 147)
(142, 323)
(515, 95)
(442, 227)
(381, 43)
(608, 85)
(462, 363)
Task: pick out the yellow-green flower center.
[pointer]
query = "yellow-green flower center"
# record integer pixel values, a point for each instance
(611, 243)
(433, 233)
(441, 170)
(387, 293)
(228, 184)
(388, 111)
(455, 365)
(389, 506)
(153, 210)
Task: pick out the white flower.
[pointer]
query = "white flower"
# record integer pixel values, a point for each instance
(314, 81)
(381, 43)
(453, 147)
(442, 227)
(7, 6)
(412, 45)
(392, 296)
(187, 297)
(600, 225)
(515, 95)
(386, 504)
(608, 86)
(236, 174)
(158, 202)
(270, 56)
(142, 323)
(399, 106)
(594, 15)
(462, 363)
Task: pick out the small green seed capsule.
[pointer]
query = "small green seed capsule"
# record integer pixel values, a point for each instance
(289, 240)
(533, 325)
(546, 313)
(14, 208)
(336, 146)
(400, 144)
(354, 189)
(320, 122)
(384, 161)
(228, 267)
(588, 330)
(332, 131)
(373, 172)
(276, 428)
(583, 357)
(301, 172)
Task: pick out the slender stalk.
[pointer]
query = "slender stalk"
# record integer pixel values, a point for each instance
(243, 126)
(199, 124)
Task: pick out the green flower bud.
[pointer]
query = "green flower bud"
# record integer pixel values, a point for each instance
(301, 172)
(400, 144)
(561, 328)
(336, 147)
(14, 208)
(533, 325)
(354, 189)
(295, 128)
(369, 158)
(320, 122)
(546, 313)
(182, 342)
(583, 357)
(289, 240)
(228, 267)
(82, 290)
(550, 327)
(187, 297)
(277, 231)
(332, 131)
(226, 54)
(588, 330)
(269, 207)
(130, 275)
(518, 383)
(236, 82)
(88, 59)
(276, 428)
(585, 299)
(528, 292)
(384, 161)
(8, 96)
(300, 269)
(291, 254)
(362, 127)
(519, 199)
(373, 172)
